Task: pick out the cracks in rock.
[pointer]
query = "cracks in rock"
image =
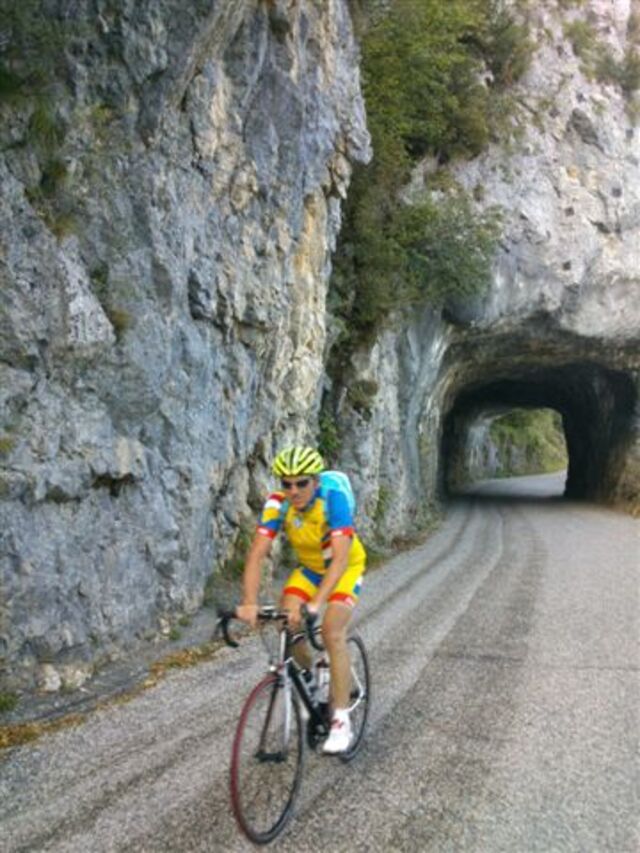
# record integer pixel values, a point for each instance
(581, 124)
(603, 228)
(115, 484)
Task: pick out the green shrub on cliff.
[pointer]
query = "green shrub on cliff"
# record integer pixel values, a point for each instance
(420, 80)
(432, 73)
(415, 253)
(430, 70)
(624, 72)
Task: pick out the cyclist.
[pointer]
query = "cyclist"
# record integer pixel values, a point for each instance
(331, 565)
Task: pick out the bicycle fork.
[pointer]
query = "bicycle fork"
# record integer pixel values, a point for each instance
(282, 690)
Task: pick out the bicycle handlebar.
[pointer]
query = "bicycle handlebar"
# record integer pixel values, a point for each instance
(268, 613)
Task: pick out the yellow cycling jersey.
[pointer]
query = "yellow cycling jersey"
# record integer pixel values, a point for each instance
(311, 530)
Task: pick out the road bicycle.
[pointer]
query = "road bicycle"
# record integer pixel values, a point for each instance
(286, 712)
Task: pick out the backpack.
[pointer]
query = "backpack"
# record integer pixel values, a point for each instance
(338, 481)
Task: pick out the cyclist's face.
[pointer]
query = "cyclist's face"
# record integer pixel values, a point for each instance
(299, 490)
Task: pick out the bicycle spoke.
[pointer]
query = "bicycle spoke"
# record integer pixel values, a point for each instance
(359, 695)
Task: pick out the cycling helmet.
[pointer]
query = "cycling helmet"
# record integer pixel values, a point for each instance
(297, 460)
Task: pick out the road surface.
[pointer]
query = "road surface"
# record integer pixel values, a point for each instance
(505, 717)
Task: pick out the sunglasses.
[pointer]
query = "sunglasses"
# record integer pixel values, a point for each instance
(287, 485)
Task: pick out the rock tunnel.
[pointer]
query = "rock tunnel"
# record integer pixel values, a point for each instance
(598, 406)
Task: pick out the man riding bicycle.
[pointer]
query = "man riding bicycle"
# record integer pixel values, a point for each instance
(319, 526)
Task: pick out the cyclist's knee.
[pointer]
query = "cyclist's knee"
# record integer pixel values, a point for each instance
(292, 604)
(334, 630)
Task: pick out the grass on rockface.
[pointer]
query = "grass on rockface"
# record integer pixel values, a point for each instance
(624, 73)
(328, 441)
(583, 38)
(8, 701)
(33, 71)
(598, 62)
(7, 443)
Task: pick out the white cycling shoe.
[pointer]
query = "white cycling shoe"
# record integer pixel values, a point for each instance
(340, 734)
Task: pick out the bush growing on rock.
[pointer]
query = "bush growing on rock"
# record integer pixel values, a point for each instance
(431, 73)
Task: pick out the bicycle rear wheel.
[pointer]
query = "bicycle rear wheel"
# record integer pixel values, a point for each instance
(360, 696)
(266, 761)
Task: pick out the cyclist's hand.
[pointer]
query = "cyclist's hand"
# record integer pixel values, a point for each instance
(248, 613)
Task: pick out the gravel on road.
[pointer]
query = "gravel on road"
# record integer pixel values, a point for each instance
(505, 710)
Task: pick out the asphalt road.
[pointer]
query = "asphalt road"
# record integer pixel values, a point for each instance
(505, 717)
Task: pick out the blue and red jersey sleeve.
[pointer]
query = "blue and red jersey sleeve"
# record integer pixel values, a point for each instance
(339, 516)
(272, 515)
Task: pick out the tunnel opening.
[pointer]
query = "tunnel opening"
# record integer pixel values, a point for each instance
(597, 407)
(514, 442)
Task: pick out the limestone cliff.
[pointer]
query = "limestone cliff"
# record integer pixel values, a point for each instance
(170, 200)
(560, 324)
(164, 255)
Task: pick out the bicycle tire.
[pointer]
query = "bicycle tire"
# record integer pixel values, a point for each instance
(360, 694)
(266, 765)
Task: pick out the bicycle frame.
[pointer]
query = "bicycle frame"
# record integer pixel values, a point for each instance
(290, 674)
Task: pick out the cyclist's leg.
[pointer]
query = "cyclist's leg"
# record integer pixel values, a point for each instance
(297, 590)
(334, 636)
(334, 633)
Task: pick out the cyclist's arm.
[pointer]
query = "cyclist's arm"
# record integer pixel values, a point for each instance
(259, 549)
(340, 547)
(268, 527)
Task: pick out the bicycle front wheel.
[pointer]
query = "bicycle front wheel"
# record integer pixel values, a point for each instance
(266, 761)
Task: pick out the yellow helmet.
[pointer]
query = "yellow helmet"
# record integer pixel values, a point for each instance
(294, 461)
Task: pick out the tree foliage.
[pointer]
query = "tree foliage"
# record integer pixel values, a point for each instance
(430, 72)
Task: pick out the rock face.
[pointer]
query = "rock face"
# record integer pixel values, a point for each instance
(560, 325)
(165, 242)
(162, 309)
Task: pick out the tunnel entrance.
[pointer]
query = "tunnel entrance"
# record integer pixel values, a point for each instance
(597, 406)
